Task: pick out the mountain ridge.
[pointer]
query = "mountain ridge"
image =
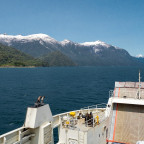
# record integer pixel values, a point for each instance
(84, 54)
(9, 38)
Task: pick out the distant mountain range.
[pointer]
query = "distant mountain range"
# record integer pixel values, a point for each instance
(140, 58)
(85, 54)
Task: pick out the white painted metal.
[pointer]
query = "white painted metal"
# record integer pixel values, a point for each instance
(35, 117)
(39, 122)
(128, 101)
(139, 94)
(46, 134)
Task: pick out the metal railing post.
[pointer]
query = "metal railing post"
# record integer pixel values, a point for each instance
(4, 140)
(96, 108)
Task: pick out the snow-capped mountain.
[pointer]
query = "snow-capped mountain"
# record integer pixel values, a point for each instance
(87, 53)
(96, 43)
(9, 39)
(140, 56)
(35, 44)
(65, 42)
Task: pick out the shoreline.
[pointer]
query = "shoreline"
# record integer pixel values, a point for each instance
(17, 66)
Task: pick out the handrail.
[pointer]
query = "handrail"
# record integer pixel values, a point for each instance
(13, 131)
(102, 105)
(128, 94)
(111, 93)
(86, 122)
(101, 119)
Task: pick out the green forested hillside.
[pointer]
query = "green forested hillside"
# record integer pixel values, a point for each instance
(57, 58)
(11, 57)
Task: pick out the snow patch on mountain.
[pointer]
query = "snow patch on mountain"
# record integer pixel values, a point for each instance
(96, 50)
(96, 43)
(45, 39)
(65, 42)
(140, 56)
(29, 38)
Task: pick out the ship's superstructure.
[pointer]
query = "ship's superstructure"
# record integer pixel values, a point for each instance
(120, 121)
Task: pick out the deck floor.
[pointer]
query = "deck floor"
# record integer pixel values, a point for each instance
(81, 125)
(129, 123)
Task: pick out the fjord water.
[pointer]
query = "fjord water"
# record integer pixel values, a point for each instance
(65, 89)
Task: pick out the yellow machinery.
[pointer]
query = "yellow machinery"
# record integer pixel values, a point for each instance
(72, 114)
(97, 119)
(67, 122)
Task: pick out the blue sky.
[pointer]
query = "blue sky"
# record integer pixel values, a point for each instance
(116, 22)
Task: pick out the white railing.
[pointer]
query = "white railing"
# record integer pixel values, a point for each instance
(102, 105)
(16, 136)
(111, 93)
(134, 94)
(72, 123)
(93, 121)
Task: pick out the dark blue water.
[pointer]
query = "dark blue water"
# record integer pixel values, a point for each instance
(65, 89)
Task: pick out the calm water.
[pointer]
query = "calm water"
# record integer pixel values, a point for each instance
(65, 89)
